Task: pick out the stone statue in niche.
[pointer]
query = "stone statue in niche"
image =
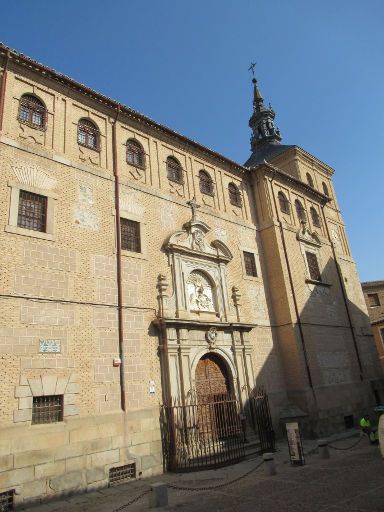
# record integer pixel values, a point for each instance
(198, 240)
(200, 293)
(211, 337)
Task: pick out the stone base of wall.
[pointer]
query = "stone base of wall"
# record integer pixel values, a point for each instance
(41, 462)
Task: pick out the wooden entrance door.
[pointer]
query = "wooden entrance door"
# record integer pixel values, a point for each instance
(212, 389)
(212, 380)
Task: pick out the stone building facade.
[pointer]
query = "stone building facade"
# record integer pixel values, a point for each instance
(132, 255)
(374, 298)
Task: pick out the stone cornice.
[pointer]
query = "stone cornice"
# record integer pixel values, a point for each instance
(202, 324)
(274, 172)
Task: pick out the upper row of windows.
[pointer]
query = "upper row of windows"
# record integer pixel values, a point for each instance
(285, 207)
(33, 112)
(311, 184)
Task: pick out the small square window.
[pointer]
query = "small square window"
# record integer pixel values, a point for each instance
(47, 409)
(313, 266)
(32, 212)
(122, 474)
(130, 235)
(6, 501)
(250, 264)
(373, 300)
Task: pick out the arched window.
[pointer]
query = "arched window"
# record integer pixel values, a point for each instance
(309, 180)
(234, 195)
(205, 183)
(135, 153)
(300, 211)
(315, 217)
(325, 189)
(88, 134)
(32, 112)
(284, 203)
(174, 170)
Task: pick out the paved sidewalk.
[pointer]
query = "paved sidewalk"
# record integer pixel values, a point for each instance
(351, 480)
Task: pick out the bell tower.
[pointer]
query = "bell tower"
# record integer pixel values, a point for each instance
(262, 122)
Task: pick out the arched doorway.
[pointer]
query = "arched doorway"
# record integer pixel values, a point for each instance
(212, 379)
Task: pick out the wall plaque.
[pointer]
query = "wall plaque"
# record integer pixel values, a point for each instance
(49, 346)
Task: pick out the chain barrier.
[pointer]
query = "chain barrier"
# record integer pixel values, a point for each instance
(347, 448)
(211, 487)
(132, 501)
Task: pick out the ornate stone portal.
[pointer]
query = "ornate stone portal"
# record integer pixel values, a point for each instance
(200, 315)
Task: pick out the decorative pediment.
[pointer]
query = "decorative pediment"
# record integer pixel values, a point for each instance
(304, 235)
(193, 239)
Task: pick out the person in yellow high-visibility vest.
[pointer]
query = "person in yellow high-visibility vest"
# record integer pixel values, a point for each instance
(365, 424)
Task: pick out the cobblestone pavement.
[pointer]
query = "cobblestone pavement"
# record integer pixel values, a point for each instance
(351, 480)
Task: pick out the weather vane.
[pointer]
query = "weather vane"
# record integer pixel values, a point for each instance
(252, 68)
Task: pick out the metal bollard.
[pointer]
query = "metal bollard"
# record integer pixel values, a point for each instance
(158, 497)
(269, 462)
(322, 445)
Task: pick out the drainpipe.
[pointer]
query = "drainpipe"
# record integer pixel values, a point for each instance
(293, 294)
(2, 90)
(345, 299)
(118, 265)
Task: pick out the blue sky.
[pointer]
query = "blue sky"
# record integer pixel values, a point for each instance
(184, 64)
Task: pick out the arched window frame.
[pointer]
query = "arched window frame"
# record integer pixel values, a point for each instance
(88, 134)
(284, 204)
(205, 183)
(315, 217)
(135, 153)
(300, 210)
(325, 189)
(32, 112)
(234, 195)
(310, 180)
(174, 170)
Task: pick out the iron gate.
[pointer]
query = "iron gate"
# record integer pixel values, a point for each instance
(202, 432)
(260, 418)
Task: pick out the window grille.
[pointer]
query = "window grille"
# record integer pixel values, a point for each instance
(122, 474)
(6, 501)
(315, 217)
(130, 235)
(47, 409)
(309, 180)
(250, 264)
(325, 189)
(135, 154)
(373, 300)
(32, 112)
(300, 211)
(32, 212)
(234, 195)
(174, 170)
(313, 266)
(284, 203)
(88, 134)
(205, 183)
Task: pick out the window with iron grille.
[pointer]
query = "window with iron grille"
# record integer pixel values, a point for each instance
(47, 409)
(234, 195)
(32, 112)
(130, 235)
(32, 213)
(315, 217)
(373, 300)
(205, 183)
(88, 134)
(283, 203)
(250, 264)
(309, 180)
(122, 474)
(313, 266)
(135, 153)
(174, 170)
(300, 211)
(6, 501)
(325, 189)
